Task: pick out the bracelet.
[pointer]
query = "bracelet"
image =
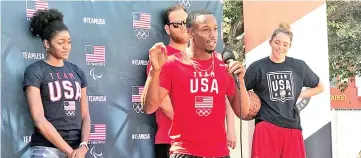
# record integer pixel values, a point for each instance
(84, 143)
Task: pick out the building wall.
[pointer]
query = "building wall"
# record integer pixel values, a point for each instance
(348, 99)
(346, 115)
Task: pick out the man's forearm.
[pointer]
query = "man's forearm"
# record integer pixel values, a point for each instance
(245, 100)
(229, 117)
(167, 108)
(241, 102)
(151, 100)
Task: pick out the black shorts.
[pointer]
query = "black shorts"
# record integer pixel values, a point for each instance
(162, 150)
(190, 156)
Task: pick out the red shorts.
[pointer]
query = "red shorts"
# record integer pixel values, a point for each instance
(271, 141)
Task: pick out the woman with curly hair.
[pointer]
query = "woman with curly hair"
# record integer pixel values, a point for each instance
(56, 93)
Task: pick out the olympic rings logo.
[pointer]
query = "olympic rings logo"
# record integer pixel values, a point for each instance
(141, 34)
(138, 108)
(185, 3)
(203, 112)
(70, 112)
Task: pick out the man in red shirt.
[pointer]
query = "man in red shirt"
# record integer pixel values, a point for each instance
(175, 19)
(197, 82)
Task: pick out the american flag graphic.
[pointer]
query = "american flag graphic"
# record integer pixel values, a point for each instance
(33, 6)
(137, 93)
(97, 132)
(141, 20)
(69, 105)
(94, 54)
(204, 102)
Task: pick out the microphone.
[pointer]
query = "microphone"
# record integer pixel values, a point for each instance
(228, 57)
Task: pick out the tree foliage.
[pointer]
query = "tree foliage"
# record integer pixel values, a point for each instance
(344, 40)
(232, 27)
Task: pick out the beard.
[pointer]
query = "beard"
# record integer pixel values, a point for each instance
(176, 37)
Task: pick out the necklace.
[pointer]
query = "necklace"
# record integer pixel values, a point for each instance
(197, 69)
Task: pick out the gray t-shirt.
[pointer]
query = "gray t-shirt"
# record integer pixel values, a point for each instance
(60, 89)
(278, 85)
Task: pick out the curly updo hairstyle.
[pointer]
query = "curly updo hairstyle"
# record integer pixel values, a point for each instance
(46, 23)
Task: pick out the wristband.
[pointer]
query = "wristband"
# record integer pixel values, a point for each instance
(84, 143)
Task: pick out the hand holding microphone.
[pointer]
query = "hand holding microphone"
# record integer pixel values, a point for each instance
(234, 67)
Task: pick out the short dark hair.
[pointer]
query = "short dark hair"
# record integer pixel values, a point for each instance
(171, 9)
(46, 23)
(193, 16)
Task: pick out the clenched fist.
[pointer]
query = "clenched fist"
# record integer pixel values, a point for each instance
(157, 56)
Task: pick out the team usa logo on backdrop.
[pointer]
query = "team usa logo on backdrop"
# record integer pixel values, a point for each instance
(33, 6)
(35, 56)
(186, 3)
(97, 98)
(93, 74)
(97, 134)
(281, 86)
(140, 62)
(141, 24)
(97, 21)
(203, 105)
(95, 55)
(94, 153)
(141, 136)
(136, 98)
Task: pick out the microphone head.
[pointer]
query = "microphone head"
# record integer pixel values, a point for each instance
(228, 55)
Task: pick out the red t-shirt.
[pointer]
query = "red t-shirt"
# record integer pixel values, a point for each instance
(199, 105)
(163, 122)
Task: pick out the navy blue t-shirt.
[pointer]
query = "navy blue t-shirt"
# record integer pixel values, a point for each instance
(60, 89)
(278, 85)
